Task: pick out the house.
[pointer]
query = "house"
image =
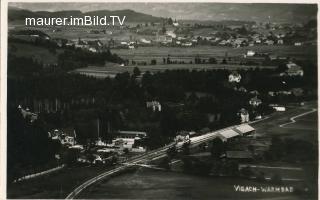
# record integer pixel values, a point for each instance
(226, 135)
(269, 42)
(145, 41)
(92, 49)
(298, 44)
(280, 41)
(293, 70)
(27, 114)
(234, 77)
(186, 44)
(155, 105)
(250, 53)
(183, 136)
(278, 108)
(66, 136)
(100, 143)
(254, 92)
(271, 93)
(244, 115)
(127, 139)
(131, 134)
(255, 101)
(67, 140)
(242, 89)
(245, 130)
(297, 92)
(171, 34)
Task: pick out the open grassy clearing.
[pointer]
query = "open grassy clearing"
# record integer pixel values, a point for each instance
(53, 186)
(305, 128)
(299, 52)
(112, 69)
(149, 184)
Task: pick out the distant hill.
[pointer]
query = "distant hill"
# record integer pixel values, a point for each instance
(131, 16)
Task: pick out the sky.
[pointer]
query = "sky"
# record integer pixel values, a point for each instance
(194, 11)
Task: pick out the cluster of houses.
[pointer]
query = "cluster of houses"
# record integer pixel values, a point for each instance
(154, 105)
(123, 142)
(27, 114)
(90, 45)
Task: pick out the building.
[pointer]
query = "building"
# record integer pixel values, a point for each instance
(245, 130)
(255, 101)
(244, 115)
(250, 53)
(66, 136)
(68, 140)
(234, 77)
(27, 114)
(278, 108)
(131, 134)
(269, 42)
(298, 44)
(280, 41)
(127, 139)
(155, 105)
(293, 70)
(226, 135)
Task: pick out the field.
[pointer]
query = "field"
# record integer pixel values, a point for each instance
(305, 127)
(149, 184)
(218, 52)
(111, 69)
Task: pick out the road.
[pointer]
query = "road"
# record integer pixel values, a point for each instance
(158, 153)
(292, 119)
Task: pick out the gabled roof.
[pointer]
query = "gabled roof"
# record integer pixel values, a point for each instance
(244, 128)
(229, 133)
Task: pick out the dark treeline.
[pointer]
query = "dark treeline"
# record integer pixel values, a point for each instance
(187, 96)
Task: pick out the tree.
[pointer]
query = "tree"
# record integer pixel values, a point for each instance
(247, 172)
(136, 72)
(153, 62)
(163, 30)
(224, 61)
(276, 179)
(212, 61)
(186, 148)
(217, 148)
(170, 21)
(165, 163)
(172, 152)
(260, 177)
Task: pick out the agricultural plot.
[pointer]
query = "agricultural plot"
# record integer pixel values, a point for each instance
(110, 70)
(151, 184)
(304, 127)
(218, 52)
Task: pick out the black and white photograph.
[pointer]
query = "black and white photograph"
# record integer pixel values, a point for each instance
(160, 100)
